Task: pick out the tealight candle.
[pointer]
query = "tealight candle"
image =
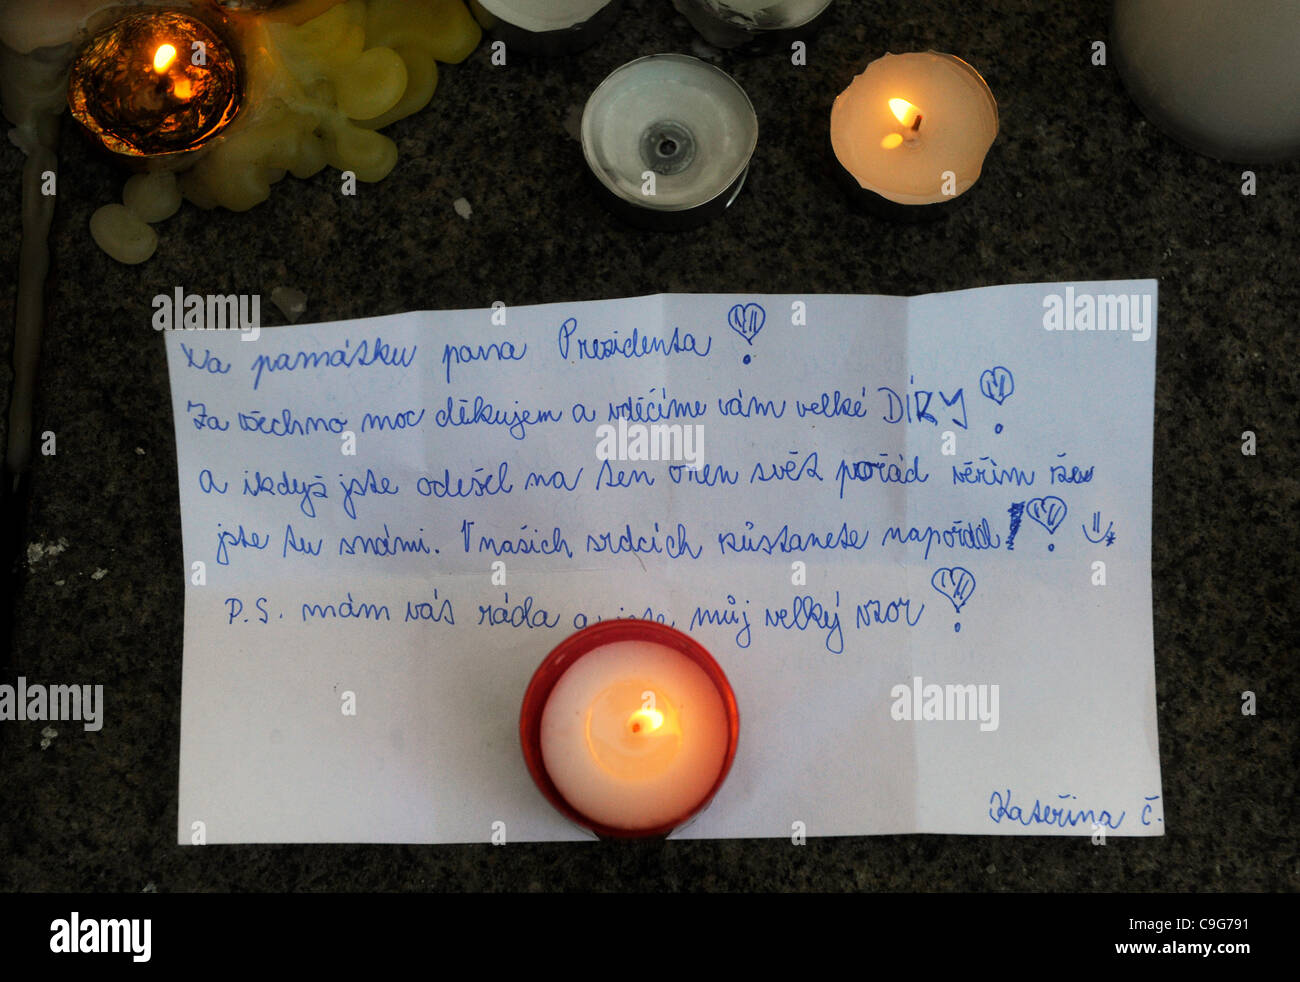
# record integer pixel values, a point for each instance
(629, 728)
(550, 28)
(731, 23)
(155, 84)
(244, 93)
(912, 131)
(669, 139)
(1221, 76)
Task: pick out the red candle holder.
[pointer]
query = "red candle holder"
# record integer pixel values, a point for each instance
(569, 651)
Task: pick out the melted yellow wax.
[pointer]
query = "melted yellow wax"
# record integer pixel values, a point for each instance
(318, 92)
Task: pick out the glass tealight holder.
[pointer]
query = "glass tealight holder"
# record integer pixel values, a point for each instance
(909, 136)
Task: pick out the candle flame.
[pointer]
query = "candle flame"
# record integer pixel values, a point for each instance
(163, 58)
(904, 111)
(646, 719)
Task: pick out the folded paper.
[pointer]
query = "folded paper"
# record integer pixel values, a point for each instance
(914, 532)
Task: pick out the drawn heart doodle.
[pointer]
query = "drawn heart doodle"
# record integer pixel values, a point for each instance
(956, 583)
(997, 383)
(747, 319)
(1048, 512)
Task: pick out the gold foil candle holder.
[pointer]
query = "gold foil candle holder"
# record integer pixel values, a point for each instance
(155, 84)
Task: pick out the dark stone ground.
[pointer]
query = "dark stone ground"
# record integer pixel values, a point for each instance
(1078, 186)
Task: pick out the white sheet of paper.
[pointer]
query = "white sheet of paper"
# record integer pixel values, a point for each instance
(897, 493)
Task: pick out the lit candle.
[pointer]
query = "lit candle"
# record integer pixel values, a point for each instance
(551, 28)
(629, 728)
(669, 139)
(301, 85)
(29, 25)
(912, 131)
(1221, 76)
(154, 88)
(155, 84)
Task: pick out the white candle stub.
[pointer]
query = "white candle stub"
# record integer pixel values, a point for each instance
(27, 25)
(634, 735)
(915, 128)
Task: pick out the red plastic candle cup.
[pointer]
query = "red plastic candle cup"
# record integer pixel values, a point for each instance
(629, 728)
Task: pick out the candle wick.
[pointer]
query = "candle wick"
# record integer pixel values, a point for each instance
(916, 124)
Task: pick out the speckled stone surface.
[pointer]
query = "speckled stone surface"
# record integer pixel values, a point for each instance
(1078, 186)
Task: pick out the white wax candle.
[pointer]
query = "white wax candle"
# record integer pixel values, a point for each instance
(915, 128)
(26, 25)
(1222, 76)
(634, 735)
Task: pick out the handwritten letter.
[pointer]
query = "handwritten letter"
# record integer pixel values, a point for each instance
(915, 533)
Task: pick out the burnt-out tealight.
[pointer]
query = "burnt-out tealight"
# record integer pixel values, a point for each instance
(732, 23)
(553, 27)
(669, 139)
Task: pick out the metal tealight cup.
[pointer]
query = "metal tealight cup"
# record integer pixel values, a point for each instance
(669, 138)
